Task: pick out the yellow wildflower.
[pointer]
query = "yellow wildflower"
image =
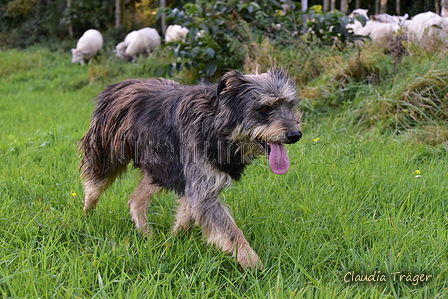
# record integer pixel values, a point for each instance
(316, 140)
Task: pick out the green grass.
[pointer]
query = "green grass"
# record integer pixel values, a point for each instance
(350, 202)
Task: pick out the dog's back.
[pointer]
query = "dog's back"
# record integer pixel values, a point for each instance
(142, 120)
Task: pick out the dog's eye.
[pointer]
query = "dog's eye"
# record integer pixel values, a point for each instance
(265, 109)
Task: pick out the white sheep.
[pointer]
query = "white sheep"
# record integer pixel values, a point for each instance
(387, 18)
(426, 28)
(382, 34)
(176, 33)
(359, 12)
(121, 47)
(88, 45)
(354, 14)
(144, 41)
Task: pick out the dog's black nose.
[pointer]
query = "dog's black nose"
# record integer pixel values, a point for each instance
(294, 136)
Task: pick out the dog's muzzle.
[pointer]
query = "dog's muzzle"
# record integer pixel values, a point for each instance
(293, 136)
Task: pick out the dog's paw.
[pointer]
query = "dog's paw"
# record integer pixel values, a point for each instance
(249, 260)
(146, 230)
(181, 227)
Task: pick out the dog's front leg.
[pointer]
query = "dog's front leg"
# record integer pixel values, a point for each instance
(216, 222)
(220, 229)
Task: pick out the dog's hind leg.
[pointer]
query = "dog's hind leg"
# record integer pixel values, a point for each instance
(93, 189)
(139, 202)
(184, 221)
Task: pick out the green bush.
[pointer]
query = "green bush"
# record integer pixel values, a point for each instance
(221, 34)
(330, 28)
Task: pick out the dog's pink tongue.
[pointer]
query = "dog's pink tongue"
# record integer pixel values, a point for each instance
(278, 158)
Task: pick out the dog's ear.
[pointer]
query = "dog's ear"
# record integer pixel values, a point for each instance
(229, 80)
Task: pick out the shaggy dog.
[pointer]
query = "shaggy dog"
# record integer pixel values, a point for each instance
(194, 140)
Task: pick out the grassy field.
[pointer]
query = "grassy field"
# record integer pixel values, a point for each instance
(356, 204)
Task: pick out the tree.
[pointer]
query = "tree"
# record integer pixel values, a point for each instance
(163, 16)
(383, 7)
(304, 5)
(69, 20)
(304, 9)
(326, 6)
(444, 6)
(344, 6)
(117, 13)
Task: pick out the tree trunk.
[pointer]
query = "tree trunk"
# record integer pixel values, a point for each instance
(398, 7)
(117, 13)
(427, 5)
(326, 5)
(444, 7)
(344, 6)
(333, 5)
(377, 7)
(383, 7)
(163, 16)
(357, 4)
(70, 26)
(304, 9)
(304, 5)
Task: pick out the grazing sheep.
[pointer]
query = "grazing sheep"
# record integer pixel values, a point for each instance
(426, 28)
(359, 12)
(176, 33)
(383, 29)
(88, 45)
(121, 47)
(144, 41)
(386, 18)
(382, 34)
(354, 15)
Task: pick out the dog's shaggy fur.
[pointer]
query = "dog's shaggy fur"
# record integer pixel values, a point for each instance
(191, 139)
